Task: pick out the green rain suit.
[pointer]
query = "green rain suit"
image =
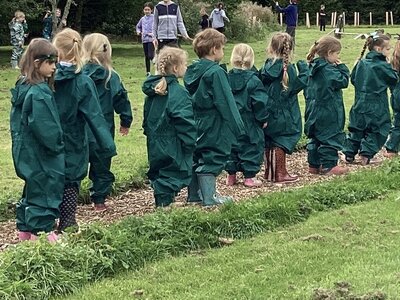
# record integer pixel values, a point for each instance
(251, 100)
(38, 154)
(112, 97)
(392, 144)
(325, 122)
(284, 122)
(217, 117)
(169, 125)
(369, 123)
(78, 105)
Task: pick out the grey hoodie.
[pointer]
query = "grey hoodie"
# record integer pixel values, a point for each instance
(167, 19)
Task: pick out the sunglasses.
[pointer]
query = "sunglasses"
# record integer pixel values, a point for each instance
(50, 58)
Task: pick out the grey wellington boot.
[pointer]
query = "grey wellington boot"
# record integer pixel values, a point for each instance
(207, 183)
(194, 193)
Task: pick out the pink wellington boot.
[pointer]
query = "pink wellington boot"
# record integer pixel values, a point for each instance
(52, 237)
(24, 235)
(231, 180)
(252, 182)
(33, 237)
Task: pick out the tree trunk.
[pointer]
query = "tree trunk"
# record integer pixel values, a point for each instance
(78, 17)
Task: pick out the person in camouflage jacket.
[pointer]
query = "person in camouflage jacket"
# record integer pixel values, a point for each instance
(17, 34)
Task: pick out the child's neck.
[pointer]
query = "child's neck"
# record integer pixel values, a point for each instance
(210, 57)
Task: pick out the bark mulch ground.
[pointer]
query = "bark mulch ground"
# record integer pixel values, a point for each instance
(140, 202)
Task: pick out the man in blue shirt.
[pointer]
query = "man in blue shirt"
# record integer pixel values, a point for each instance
(291, 17)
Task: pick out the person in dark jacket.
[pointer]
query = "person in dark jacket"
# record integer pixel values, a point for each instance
(37, 142)
(291, 15)
(325, 121)
(217, 117)
(251, 100)
(78, 105)
(204, 21)
(113, 98)
(369, 123)
(168, 123)
(322, 18)
(283, 82)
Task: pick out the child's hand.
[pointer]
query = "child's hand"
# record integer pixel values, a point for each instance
(155, 43)
(338, 62)
(124, 131)
(188, 38)
(265, 125)
(138, 33)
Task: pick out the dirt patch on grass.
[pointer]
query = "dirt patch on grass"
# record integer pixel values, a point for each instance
(140, 202)
(342, 291)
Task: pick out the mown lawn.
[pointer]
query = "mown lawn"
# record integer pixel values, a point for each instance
(130, 164)
(349, 252)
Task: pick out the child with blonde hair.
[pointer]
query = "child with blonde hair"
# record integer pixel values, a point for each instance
(113, 97)
(283, 82)
(37, 142)
(393, 142)
(325, 122)
(217, 117)
(17, 35)
(369, 123)
(169, 126)
(78, 106)
(251, 100)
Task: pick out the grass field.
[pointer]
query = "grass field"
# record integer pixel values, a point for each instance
(130, 164)
(350, 253)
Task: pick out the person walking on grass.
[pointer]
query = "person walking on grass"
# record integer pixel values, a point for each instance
(322, 18)
(168, 123)
(17, 35)
(78, 105)
(218, 18)
(167, 21)
(325, 123)
(217, 117)
(369, 120)
(37, 142)
(145, 29)
(291, 15)
(283, 82)
(393, 142)
(113, 97)
(251, 100)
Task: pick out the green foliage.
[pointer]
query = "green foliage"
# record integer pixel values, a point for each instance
(39, 270)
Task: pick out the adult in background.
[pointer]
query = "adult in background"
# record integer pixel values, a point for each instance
(205, 20)
(48, 23)
(290, 12)
(167, 21)
(218, 18)
(322, 18)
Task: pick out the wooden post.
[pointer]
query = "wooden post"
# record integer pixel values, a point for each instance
(332, 15)
(355, 19)
(335, 19)
(281, 18)
(317, 18)
(358, 19)
(370, 18)
(344, 18)
(387, 18)
(308, 20)
(391, 18)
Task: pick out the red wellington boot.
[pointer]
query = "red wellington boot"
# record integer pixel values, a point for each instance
(281, 174)
(269, 167)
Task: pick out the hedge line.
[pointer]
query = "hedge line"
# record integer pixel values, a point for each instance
(40, 270)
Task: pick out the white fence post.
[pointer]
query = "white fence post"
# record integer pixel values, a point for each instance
(281, 19)
(370, 18)
(308, 20)
(391, 18)
(387, 18)
(317, 18)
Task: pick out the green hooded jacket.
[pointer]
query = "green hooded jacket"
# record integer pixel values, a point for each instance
(251, 101)
(371, 78)
(168, 123)
(113, 97)
(284, 123)
(327, 115)
(217, 118)
(78, 105)
(38, 155)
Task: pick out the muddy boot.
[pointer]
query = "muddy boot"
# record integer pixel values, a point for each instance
(336, 170)
(269, 164)
(207, 183)
(194, 193)
(231, 179)
(281, 174)
(252, 182)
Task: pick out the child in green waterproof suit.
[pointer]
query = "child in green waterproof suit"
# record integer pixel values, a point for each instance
(169, 125)
(369, 123)
(217, 117)
(325, 121)
(113, 97)
(251, 100)
(393, 142)
(78, 105)
(37, 142)
(284, 124)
